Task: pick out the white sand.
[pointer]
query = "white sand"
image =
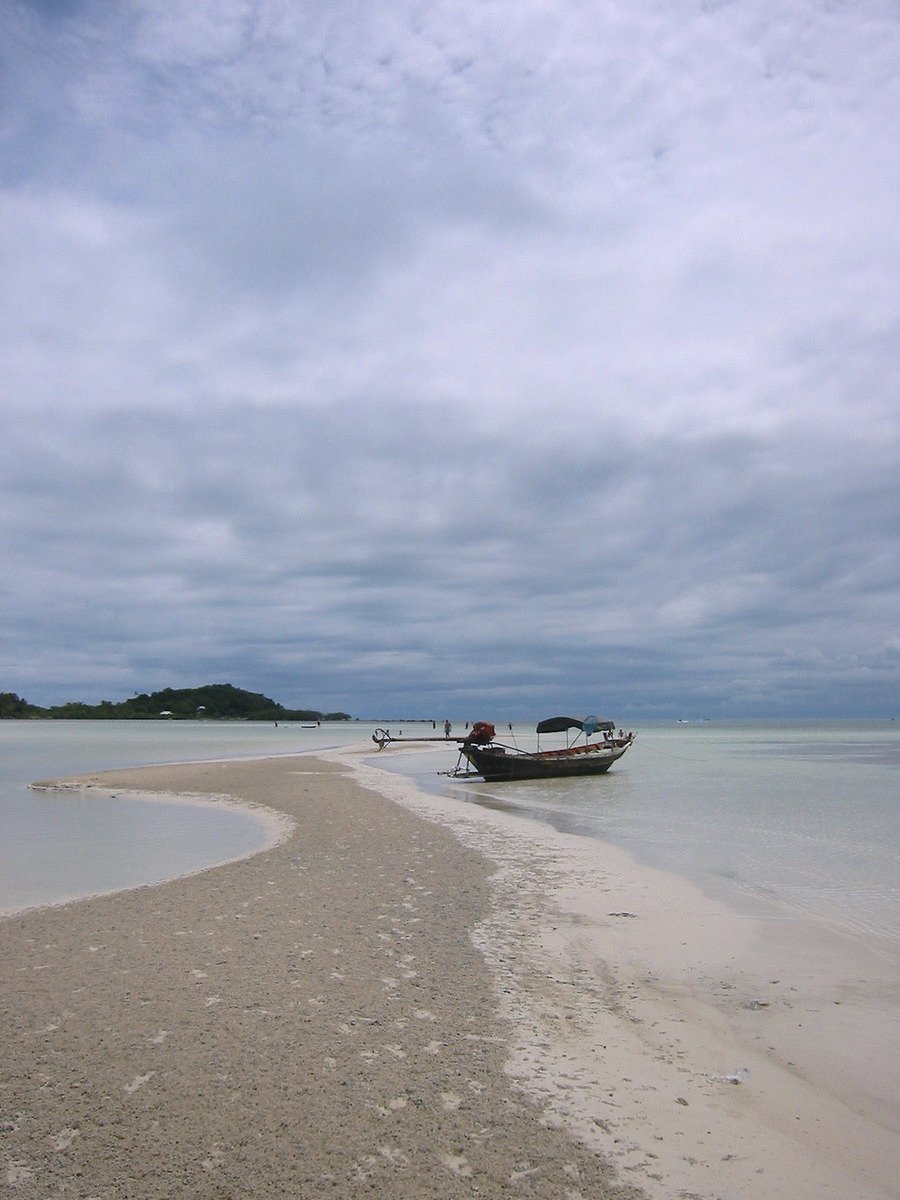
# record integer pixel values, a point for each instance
(311, 1021)
(315, 1017)
(703, 1050)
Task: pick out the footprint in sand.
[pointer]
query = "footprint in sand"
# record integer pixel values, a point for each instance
(215, 1159)
(394, 1155)
(523, 1174)
(64, 1139)
(138, 1082)
(17, 1173)
(450, 1102)
(160, 1037)
(458, 1164)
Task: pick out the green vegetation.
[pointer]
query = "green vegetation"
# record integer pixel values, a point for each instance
(212, 701)
(12, 705)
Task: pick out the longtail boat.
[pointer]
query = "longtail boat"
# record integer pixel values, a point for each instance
(497, 763)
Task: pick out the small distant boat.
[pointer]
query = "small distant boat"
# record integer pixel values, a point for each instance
(499, 763)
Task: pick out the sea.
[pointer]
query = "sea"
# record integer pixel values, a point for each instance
(805, 814)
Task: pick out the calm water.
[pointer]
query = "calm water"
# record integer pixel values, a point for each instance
(806, 813)
(54, 847)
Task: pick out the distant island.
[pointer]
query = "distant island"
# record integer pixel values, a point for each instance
(213, 701)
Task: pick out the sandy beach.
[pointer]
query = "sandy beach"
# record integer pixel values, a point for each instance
(312, 1021)
(405, 998)
(704, 1051)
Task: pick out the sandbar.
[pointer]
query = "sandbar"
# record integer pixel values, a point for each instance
(405, 997)
(312, 1021)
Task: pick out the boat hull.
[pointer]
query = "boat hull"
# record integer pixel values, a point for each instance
(496, 765)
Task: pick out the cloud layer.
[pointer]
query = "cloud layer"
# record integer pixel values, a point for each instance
(479, 359)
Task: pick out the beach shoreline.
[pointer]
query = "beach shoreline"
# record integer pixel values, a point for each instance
(774, 1033)
(561, 1005)
(275, 827)
(313, 1020)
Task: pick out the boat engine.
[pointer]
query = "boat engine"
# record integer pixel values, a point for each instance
(482, 733)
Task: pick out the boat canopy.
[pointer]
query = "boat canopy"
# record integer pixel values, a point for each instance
(563, 724)
(558, 724)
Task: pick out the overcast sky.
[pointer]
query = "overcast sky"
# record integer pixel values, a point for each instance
(482, 358)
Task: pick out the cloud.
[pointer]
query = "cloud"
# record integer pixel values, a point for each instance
(382, 356)
(383, 552)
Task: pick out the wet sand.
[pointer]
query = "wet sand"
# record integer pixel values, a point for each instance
(312, 1021)
(706, 1052)
(408, 997)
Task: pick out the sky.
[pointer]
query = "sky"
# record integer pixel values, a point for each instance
(488, 360)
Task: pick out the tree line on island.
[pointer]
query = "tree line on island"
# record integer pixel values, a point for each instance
(212, 701)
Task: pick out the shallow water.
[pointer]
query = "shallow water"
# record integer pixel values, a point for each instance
(805, 813)
(58, 846)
